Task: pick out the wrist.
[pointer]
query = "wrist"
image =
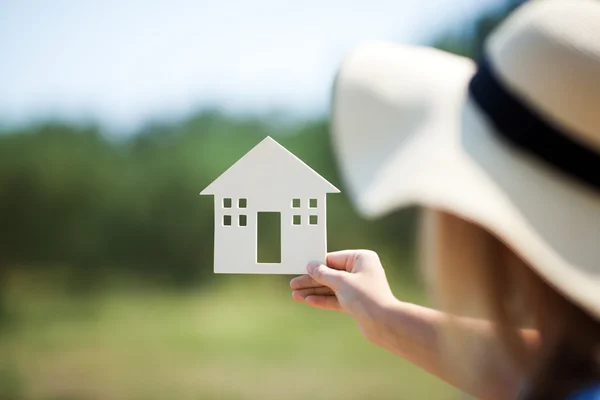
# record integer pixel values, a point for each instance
(380, 317)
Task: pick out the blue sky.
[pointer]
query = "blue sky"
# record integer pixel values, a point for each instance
(124, 62)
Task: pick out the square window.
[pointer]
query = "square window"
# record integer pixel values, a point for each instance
(297, 220)
(312, 203)
(313, 220)
(295, 203)
(242, 203)
(227, 220)
(243, 220)
(227, 203)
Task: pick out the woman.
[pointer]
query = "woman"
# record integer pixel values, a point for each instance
(505, 159)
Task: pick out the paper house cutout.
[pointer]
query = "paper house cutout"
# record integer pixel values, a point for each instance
(269, 179)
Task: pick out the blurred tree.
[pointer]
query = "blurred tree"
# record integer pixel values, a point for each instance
(76, 202)
(468, 40)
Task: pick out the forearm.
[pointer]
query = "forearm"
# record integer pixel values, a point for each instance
(411, 331)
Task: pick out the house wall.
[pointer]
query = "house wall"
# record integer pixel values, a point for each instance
(235, 246)
(305, 242)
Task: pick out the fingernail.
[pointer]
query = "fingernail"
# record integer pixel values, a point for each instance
(311, 268)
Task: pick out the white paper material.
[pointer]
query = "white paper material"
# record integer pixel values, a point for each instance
(269, 179)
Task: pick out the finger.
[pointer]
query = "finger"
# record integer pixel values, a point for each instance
(351, 259)
(325, 302)
(300, 295)
(339, 259)
(327, 276)
(343, 260)
(303, 282)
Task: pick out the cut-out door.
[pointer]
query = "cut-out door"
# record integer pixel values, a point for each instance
(268, 238)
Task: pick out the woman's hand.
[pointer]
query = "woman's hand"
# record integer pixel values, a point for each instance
(353, 281)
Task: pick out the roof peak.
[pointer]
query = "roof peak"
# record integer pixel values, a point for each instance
(252, 163)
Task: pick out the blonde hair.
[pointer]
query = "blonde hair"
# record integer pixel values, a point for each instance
(471, 273)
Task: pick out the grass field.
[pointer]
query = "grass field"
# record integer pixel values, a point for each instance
(238, 340)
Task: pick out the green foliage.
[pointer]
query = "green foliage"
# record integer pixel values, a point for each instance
(469, 40)
(95, 209)
(72, 197)
(75, 201)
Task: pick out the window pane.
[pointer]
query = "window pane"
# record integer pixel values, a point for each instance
(297, 220)
(243, 220)
(242, 203)
(313, 220)
(312, 203)
(296, 203)
(227, 203)
(227, 220)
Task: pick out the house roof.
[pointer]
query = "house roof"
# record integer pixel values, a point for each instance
(269, 163)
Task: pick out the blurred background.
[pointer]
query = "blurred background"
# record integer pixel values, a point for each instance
(113, 117)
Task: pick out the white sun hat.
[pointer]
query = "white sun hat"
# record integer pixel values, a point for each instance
(512, 144)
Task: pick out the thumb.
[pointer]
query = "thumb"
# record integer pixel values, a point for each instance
(324, 275)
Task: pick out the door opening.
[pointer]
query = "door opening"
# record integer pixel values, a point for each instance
(268, 238)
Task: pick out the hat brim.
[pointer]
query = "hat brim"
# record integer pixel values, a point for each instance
(406, 133)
